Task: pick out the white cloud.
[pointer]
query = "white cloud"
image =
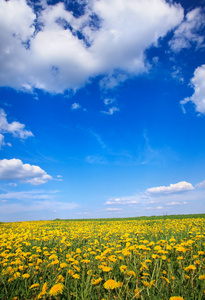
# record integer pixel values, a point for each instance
(173, 203)
(15, 128)
(113, 209)
(109, 101)
(123, 200)
(201, 184)
(75, 106)
(172, 188)
(14, 169)
(198, 84)
(2, 143)
(54, 58)
(190, 31)
(111, 110)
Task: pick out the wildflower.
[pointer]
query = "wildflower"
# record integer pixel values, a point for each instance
(131, 273)
(35, 285)
(77, 269)
(63, 265)
(201, 277)
(189, 268)
(60, 279)
(96, 281)
(145, 283)
(107, 269)
(123, 268)
(56, 289)
(71, 272)
(111, 284)
(76, 276)
(25, 276)
(176, 298)
(165, 279)
(137, 293)
(154, 256)
(181, 249)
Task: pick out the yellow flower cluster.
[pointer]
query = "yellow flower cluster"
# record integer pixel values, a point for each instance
(121, 259)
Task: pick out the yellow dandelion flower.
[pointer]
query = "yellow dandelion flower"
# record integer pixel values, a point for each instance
(137, 293)
(76, 276)
(35, 285)
(56, 289)
(176, 298)
(111, 284)
(123, 268)
(96, 281)
(107, 269)
(165, 279)
(190, 268)
(60, 279)
(145, 283)
(25, 276)
(45, 287)
(63, 265)
(201, 277)
(131, 273)
(71, 272)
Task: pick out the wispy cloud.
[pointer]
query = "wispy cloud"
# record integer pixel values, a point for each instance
(95, 159)
(75, 106)
(113, 209)
(15, 128)
(123, 200)
(111, 110)
(190, 31)
(201, 184)
(10, 208)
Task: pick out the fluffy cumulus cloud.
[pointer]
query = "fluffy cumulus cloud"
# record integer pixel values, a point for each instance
(14, 169)
(181, 186)
(190, 31)
(15, 128)
(54, 50)
(198, 84)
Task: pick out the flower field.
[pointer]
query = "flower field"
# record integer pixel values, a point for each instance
(103, 259)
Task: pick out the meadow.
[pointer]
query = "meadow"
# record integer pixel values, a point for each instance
(140, 258)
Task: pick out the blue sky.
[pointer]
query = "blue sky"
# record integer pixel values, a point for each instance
(102, 108)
